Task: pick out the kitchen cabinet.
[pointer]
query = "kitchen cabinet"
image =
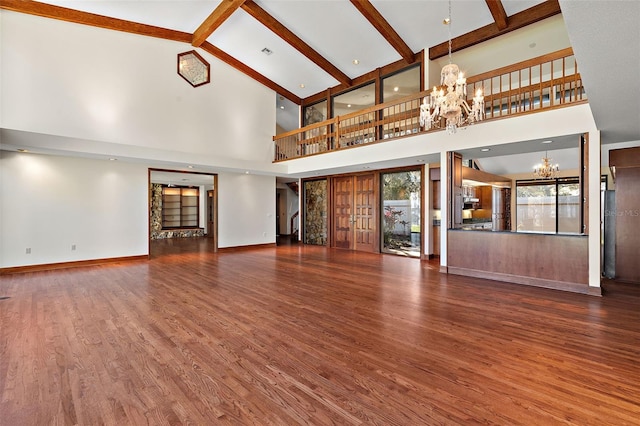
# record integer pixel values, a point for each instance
(455, 217)
(486, 197)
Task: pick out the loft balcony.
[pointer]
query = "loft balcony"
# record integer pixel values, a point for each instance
(539, 84)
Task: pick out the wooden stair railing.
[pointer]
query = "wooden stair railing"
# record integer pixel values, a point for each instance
(293, 217)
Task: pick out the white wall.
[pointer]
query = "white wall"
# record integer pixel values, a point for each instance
(107, 87)
(543, 125)
(246, 209)
(49, 203)
(76, 90)
(548, 35)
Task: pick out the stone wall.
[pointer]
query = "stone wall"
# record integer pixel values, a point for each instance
(315, 212)
(156, 209)
(157, 233)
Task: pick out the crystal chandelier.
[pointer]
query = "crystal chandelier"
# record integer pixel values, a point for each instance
(451, 104)
(546, 170)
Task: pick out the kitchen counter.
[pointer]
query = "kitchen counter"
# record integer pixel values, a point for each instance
(466, 228)
(476, 225)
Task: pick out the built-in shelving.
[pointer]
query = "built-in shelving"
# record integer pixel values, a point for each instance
(180, 207)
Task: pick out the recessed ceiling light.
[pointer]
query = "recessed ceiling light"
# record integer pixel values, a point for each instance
(247, 172)
(485, 149)
(23, 150)
(348, 105)
(532, 45)
(446, 21)
(356, 62)
(395, 89)
(113, 159)
(190, 166)
(421, 161)
(547, 141)
(302, 85)
(281, 106)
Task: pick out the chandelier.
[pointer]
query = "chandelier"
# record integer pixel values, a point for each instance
(546, 170)
(451, 103)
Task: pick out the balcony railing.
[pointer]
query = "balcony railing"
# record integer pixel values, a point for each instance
(538, 84)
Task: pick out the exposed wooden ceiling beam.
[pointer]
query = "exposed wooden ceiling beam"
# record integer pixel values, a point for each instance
(230, 60)
(284, 33)
(385, 29)
(519, 20)
(217, 17)
(86, 18)
(498, 13)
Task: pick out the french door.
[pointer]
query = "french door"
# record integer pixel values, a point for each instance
(355, 212)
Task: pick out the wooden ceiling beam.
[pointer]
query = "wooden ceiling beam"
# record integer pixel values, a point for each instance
(497, 11)
(233, 62)
(284, 33)
(519, 20)
(385, 29)
(85, 18)
(224, 10)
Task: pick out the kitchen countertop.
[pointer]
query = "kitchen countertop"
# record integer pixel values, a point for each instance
(472, 229)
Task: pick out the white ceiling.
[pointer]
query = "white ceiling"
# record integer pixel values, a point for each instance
(333, 28)
(520, 157)
(605, 36)
(181, 178)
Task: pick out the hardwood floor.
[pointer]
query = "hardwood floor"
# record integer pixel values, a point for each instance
(299, 334)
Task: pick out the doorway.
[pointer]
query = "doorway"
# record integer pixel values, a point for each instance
(401, 207)
(211, 209)
(355, 217)
(182, 217)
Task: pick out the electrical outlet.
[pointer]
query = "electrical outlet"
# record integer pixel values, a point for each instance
(73, 247)
(28, 251)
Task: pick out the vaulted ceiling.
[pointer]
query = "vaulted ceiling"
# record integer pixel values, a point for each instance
(299, 48)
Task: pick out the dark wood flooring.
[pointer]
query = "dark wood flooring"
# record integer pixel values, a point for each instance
(299, 334)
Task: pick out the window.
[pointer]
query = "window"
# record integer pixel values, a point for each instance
(401, 212)
(400, 119)
(401, 84)
(354, 100)
(392, 86)
(549, 206)
(180, 207)
(315, 113)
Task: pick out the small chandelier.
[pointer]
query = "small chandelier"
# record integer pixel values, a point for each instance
(546, 170)
(452, 104)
